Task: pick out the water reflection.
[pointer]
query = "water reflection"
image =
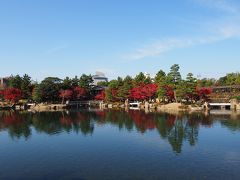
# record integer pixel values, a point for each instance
(175, 128)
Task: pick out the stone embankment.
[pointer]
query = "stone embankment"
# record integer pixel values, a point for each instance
(147, 106)
(154, 106)
(47, 107)
(235, 106)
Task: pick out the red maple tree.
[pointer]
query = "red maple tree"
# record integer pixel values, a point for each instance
(143, 92)
(1, 94)
(65, 94)
(169, 92)
(12, 94)
(149, 90)
(80, 92)
(100, 96)
(203, 93)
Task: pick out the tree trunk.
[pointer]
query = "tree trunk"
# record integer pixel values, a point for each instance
(175, 95)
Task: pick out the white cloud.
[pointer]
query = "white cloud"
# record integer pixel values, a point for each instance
(163, 46)
(223, 5)
(159, 47)
(220, 30)
(230, 31)
(57, 48)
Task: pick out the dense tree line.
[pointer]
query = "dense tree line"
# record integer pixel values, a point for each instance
(167, 87)
(51, 89)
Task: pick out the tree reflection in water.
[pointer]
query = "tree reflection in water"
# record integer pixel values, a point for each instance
(17, 125)
(175, 128)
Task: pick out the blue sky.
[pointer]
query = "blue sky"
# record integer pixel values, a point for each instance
(70, 37)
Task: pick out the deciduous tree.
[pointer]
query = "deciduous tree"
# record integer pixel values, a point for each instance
(1, 94)
(143, 92)
(65, 94)
(100, 96)
(203, 93)
(80, 92)
(12, 94)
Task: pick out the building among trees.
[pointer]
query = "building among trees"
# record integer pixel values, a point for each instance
(4, 82)
(99, 77)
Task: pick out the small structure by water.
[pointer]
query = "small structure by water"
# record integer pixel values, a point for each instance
(222, 106)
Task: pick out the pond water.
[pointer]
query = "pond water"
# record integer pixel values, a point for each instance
(94, 144)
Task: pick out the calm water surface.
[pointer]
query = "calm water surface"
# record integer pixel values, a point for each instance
(119, 145)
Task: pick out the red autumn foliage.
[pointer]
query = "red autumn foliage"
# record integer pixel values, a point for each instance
(101, 116)
(143, 92)
(135, 93)
(1, 94)
(150, 90)
(66, 121)
(12, 120)
(171, 121)
(80, 92)
(114, 94)
(169, 92)
(12, 94)
(66, 94)
(82, 117)
(143, 121)
(100, 96)
(203, 93)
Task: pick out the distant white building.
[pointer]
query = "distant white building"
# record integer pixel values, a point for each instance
(99, 77)
(4, 82)
(147, 75)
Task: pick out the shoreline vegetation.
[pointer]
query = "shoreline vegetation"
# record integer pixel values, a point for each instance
(164, 91)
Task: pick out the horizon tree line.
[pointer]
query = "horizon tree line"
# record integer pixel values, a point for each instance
(167, 87)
